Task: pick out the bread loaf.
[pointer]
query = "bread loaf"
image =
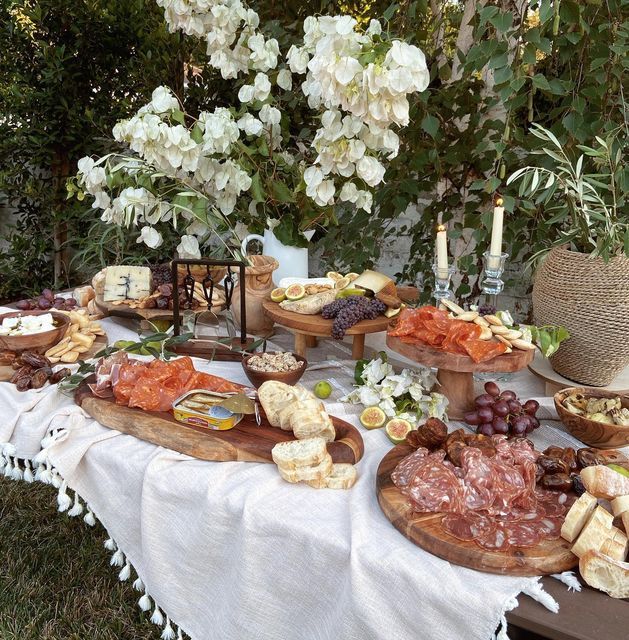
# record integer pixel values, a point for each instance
(620, 505)
(625, 521)
(299, 453)
(312, 473)
(343, 476)
(595, 531)
(603, 482)
(605, 573)
(578, 515)
(616, 545)
(307, 423)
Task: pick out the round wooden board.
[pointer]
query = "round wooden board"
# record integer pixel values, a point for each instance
(318, 326)
(125, 311)
(431, 357)
(425, 530)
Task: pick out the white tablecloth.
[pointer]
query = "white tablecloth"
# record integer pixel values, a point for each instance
(228, 550)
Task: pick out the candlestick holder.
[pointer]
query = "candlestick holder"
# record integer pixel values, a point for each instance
(442, 282)
(494, 268)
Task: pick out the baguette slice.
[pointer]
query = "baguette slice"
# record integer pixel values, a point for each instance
(578, 515)
(625, 521)
(620, 505)
(299, 453)
(603, 482)
(314, 473)
(616, 545)
(595, 531)
(286, 413)
(273, 396)
(606, 574)
(343, 476)
(309, 424)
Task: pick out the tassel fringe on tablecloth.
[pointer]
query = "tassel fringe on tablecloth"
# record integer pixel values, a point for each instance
(40, 469)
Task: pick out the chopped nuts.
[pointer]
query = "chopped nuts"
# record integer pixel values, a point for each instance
(274, 362)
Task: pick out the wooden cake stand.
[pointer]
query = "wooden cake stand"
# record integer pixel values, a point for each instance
(308, 328)
(455, 372)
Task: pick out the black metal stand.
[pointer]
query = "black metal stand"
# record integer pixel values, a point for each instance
(208, 285)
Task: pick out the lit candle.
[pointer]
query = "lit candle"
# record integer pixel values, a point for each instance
(442, 251)
(495, 248)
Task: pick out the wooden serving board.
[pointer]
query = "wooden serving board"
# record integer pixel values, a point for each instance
(125, 311)
(6, 372)
(455, 370)
(425, 530)
(246, 442)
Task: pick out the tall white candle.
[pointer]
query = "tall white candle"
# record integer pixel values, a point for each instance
(442, 252)
(495, 247)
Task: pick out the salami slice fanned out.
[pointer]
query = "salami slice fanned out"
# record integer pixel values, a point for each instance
(550, 527)
(522, 534)
(467, 526)
(494, 540)
(406, 468)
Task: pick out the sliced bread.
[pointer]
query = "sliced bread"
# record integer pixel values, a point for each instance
(299, 453)
(603, 482)
(620, 505)
(343, 476)
(274, 396)
(625, 521)
(616, 545)
(605, 573)
(578, 515)
(595, 531)
(313, 473)
(309, 424)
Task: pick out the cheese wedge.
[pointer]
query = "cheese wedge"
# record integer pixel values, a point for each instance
(127, 283)
(596, 530)
(578, 515)
(620, 505)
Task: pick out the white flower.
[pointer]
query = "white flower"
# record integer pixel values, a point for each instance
(197, 228)
(285, 79)
(261, 87)
(264, 53)
(162, 100)
(370, 170)
(388, 406)
(246, 93)
(101, 200)
(297, 59)
(375, 28)
(250, 125)
(270, 115)
(93, 178)
(188, 247)
(375, 371)
(346, 69)
(151, 237)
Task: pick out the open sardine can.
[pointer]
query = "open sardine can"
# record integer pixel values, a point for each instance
(203, 409)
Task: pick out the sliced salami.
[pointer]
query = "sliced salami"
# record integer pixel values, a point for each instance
(550, 527)
(494, 540)
(522, 534)
(467, 526)
(406, 468)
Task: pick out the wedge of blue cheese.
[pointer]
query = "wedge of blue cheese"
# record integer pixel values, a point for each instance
(127, 283)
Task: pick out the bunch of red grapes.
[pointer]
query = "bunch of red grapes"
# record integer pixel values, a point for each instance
(47, 300)
(501, 412)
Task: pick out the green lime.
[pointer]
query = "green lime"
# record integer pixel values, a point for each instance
(619, 469)
(373, 418)
(323, 389)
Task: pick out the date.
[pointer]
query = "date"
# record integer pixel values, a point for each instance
(35, 360)
(58, 376)
(40, 377)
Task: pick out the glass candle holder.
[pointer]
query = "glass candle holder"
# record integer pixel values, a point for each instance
(494, 268)
(442, 282)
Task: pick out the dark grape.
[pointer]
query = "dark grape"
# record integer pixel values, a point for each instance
(531, 407)
(492, 389)
(518, 425)
(485, 414)
(487, 310)
(501, 408)
(59, 304)
(472, 418)
(70, 302)
(43, 303)
(23, 305)
(500, 425)
(48, 294)
(347, 312)
(486, 429)
(508, 395)
(484, 400)
(162, 274)
(534, 421)
(162, 302)
(514, 407)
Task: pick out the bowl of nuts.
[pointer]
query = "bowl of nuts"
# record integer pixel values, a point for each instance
(282, 366)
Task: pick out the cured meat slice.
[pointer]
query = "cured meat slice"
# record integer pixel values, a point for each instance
(494, 540)
(522, 534)
(467, 526)
(434, 487)
(550, 527)
(408, 321)
(407, 466)
(482, 350)
(479, 482)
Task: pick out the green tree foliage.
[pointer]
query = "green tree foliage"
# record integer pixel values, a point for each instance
(69, 69)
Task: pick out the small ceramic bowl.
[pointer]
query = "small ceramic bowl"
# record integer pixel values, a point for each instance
(36, 342)
(592, 432)
(288, 377)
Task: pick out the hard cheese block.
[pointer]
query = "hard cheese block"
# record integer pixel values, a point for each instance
(127, 283)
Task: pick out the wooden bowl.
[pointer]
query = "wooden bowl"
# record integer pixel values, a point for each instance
(287, 377)
(592, 432)
(36, 342)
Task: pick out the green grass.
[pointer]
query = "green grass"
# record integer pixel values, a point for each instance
(55, 578)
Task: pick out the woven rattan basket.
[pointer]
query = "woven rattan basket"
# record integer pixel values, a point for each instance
(591, 299)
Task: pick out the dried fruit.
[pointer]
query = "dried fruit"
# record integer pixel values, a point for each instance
(57, 376)
(40, 377)
(35, 360)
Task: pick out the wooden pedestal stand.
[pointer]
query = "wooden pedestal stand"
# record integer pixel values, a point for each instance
(455, 372)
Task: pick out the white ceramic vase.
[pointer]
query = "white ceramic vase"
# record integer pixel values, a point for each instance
(293, 261)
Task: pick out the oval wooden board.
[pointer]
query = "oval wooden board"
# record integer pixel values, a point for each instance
(317, 325)
(429, 356)
(246, 442)
(425, 530)
(6, 372)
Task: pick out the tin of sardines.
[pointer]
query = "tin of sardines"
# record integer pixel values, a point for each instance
(203, 409)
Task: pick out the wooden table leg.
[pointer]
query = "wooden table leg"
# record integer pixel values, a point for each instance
(459, 389)
(301, 344)
(358, 346)
(311, 341)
